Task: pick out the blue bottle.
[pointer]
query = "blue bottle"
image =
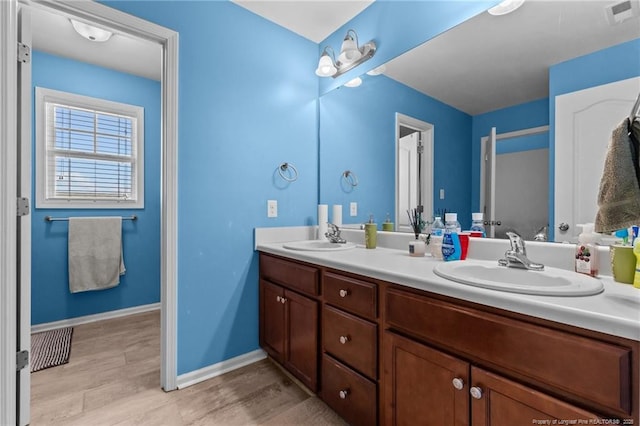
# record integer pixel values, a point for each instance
(451, 248)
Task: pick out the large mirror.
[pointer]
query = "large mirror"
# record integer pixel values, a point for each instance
(503, 72)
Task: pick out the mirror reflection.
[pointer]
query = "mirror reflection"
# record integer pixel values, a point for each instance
(504, 72)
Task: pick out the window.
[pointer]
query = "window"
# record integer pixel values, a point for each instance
(89, 152)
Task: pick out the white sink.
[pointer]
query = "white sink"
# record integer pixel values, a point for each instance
(549, 282)
(317, 245)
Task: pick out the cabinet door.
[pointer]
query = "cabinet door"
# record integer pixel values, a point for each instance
(272, 330)
(497, 401)
(302, 343)
(423, 386)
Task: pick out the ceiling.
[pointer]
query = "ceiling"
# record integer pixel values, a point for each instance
(484, 64)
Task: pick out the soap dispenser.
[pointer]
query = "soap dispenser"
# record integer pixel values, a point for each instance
(586, 260)
(370, 233)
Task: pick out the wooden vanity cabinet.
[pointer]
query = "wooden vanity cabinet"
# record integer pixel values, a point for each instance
(448, 363)
(350, 347)
(289, 319)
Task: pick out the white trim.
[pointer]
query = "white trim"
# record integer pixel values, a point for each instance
(25, 185)
(45, 177)
(8, 223)
(197, 376)
(112, 18)
(428, 136)
(71, 322)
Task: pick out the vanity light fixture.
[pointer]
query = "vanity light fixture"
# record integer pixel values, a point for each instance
(351, 55)
(507, 6)
(90, 32)
(354, 83)
(377, 70)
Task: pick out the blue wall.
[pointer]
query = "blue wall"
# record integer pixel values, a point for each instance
(247, 103)
(358, 131)
(51, 299)
(510, 119)
(604, 66)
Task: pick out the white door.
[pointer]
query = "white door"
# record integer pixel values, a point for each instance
(414, 169)
(584, 121)
(407, 179)
(488, 200)
(24, 222)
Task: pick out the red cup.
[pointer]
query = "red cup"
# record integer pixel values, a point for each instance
(464, 244)
(476, 234)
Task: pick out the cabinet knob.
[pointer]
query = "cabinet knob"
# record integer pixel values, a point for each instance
(343, 393)
(283, 300)
(344, 293)
(278, 298)
(344, 339)
(458, 383)
(476, 392)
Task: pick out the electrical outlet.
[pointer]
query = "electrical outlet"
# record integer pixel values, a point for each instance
(442, 194)
(272, 208)
(353, 209)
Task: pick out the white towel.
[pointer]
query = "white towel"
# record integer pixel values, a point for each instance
(95, 253)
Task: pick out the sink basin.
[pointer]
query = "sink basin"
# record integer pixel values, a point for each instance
(317, 245)
(549, 282)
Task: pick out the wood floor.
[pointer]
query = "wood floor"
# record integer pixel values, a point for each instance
(113, 378)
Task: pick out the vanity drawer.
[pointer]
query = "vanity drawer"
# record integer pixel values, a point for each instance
(349, 394)
(351, 339)
(290, 274)
(351, 294)
(587, 368)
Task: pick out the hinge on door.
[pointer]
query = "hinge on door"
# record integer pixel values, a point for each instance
(23, 206)
(24, 53)
(22, 360)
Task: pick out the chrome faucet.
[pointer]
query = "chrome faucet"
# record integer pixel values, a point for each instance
(333, 234)
(516, 257)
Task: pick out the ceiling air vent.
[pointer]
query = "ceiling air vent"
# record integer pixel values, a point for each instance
(620, 12)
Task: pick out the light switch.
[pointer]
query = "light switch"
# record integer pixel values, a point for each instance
(442, 194)
(272, 208)
(353, 209)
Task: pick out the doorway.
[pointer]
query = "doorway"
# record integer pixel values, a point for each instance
(16, 307)
(516, 197)
(414, 170)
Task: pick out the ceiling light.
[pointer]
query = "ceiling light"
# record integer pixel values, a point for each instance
(507, 6)
(351, 55)
(90, 32)
(354, 83)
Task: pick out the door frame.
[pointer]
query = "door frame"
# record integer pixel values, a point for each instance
(427, 131)
(8, 182)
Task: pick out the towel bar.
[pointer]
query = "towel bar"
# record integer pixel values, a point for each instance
(52, 219)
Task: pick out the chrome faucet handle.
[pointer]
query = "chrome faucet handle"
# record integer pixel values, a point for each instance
(333, 234)
(334, 228)
(517, 243)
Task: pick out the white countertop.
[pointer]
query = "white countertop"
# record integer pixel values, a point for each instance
(615, 311)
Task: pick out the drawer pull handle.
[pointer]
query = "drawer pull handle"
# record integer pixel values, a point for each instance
(344, 293)
(476, 392)
(458, 383)
(343, 393)
(344, 339)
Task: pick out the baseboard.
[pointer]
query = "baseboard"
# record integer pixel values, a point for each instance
(197, 376)
(95, 317)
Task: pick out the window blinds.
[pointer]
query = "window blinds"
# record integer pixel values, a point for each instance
(90, 155)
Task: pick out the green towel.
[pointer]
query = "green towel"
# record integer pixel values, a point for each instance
(619, 196)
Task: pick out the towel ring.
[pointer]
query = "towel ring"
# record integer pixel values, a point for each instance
(285, 167)
(350, 177)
